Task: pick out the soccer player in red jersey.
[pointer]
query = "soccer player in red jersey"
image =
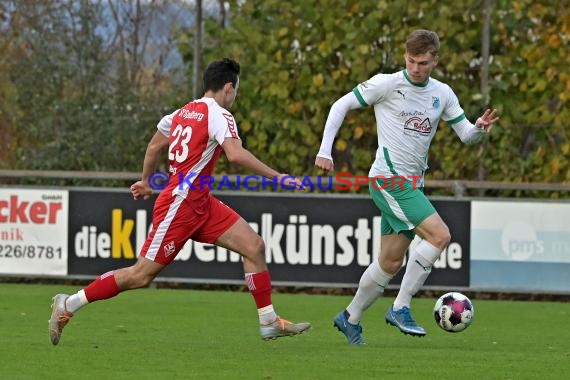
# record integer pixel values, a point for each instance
(195, 135)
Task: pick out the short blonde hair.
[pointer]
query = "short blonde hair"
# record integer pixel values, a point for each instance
(422, 41)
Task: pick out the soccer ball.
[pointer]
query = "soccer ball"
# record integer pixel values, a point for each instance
(453, 312)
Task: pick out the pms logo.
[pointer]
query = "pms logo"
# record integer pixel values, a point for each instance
(519, 241)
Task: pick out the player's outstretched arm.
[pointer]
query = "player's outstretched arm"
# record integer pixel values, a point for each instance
(142, 189)
(237, 154)
(336, 116)
(473, 133)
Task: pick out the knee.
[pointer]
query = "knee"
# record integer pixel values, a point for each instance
(254, 250)
(258, 248)
(442, 238)
(391, 265)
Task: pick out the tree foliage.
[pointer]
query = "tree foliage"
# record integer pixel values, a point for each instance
(297, 59)
(83, 91)
(78, 90)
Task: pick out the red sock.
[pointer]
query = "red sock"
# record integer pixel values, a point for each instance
(259, 285)
(105, 286)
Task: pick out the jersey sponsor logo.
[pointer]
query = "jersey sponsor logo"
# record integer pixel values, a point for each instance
(435, 102)
(231, 125)
(412, 113)
(187, 114)
(418, 126)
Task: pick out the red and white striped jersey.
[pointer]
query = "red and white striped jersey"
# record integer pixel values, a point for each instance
(196, 132)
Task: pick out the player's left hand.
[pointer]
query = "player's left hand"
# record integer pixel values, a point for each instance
(141, 189)
(486, 121)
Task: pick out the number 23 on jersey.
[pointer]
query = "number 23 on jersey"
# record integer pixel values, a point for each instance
(178, 149)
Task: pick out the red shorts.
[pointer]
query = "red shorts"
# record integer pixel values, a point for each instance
(175, 220)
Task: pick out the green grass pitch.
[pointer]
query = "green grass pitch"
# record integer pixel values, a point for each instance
(187, 334)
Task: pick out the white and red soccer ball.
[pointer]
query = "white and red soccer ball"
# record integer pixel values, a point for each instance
(453, 312)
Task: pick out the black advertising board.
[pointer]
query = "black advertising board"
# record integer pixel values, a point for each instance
(311, 240)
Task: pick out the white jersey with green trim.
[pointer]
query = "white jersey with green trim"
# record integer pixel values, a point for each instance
(407, 116)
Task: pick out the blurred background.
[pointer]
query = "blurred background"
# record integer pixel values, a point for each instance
(84, 82)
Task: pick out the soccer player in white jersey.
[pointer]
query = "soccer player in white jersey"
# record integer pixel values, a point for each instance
(195, 135)
(408, 106)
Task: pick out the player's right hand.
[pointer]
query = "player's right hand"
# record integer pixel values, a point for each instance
(288, 182)
(324, 164)
(141, 189)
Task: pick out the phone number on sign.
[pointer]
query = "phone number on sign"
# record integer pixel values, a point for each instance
(30, 251)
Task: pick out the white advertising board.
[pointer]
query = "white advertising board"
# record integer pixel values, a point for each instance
(520, 231)
(33, 231)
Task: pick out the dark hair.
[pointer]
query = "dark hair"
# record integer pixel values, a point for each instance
(218, 73)
(422, 41)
